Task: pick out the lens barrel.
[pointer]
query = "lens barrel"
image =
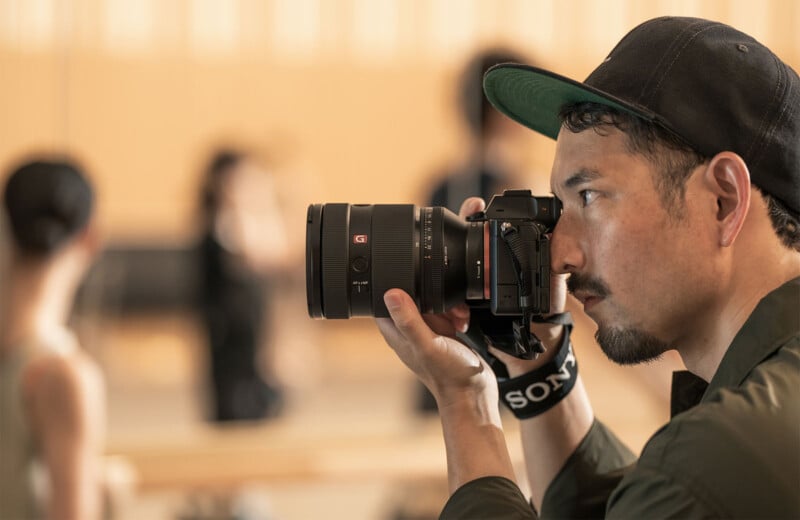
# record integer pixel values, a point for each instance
(355, 253)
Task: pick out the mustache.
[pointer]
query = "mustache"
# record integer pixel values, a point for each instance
(587, 283)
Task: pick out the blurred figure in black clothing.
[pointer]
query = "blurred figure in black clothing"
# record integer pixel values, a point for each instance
(489, 166)
(240, 248)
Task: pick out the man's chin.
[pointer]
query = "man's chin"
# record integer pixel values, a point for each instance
(629, 346)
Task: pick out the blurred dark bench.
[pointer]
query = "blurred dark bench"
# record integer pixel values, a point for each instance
(141, 279)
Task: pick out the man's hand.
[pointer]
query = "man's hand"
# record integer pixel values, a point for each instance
(462, 383)
(427, 345)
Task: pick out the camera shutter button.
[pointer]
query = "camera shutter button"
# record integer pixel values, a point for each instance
(360, 264)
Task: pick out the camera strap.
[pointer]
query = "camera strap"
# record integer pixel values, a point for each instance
(530, 254)
(499, 331)
(539, 390)
(534, 392)
(487, 329)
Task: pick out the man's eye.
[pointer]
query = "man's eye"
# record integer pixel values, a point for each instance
(587, 196)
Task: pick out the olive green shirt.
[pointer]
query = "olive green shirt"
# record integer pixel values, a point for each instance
(730, 451)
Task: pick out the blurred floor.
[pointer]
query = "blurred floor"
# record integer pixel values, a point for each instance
(349, 446)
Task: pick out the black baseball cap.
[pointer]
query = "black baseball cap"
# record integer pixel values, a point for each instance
(713, 86)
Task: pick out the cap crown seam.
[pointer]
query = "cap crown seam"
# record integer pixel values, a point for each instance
(764, 131)
(678, 54)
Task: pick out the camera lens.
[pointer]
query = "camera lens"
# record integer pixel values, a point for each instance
(355, 253)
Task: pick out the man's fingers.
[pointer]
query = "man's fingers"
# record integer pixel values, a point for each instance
(406, 317)
(471, 206)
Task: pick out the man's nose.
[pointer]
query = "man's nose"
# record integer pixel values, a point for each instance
(566, 253)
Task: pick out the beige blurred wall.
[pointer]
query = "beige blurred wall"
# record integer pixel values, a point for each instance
(347, 97)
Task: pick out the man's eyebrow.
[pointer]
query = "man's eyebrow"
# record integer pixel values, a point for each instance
(582, 176)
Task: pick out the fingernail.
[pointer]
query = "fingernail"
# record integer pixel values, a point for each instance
(392, 301)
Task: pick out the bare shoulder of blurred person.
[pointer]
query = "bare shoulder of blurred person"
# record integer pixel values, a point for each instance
(51, 392)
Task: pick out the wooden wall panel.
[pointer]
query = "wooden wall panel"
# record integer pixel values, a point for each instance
(140, 90)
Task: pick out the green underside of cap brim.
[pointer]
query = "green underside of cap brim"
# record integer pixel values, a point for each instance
(534, 97)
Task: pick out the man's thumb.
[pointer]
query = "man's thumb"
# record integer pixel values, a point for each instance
(406, 316)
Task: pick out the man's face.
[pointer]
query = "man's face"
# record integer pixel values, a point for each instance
(644, 274)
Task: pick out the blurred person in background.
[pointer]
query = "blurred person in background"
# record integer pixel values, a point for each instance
(242, 247)
(491, 163)
(52, 409)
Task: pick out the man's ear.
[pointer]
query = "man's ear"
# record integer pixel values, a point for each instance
(728, 179)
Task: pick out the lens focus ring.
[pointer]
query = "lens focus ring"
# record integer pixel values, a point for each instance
(336, 218)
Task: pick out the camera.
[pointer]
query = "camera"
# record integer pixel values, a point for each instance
(498, 260)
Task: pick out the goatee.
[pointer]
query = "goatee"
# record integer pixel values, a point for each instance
(630, 346)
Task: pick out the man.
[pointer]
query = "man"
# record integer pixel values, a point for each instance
(678, 166)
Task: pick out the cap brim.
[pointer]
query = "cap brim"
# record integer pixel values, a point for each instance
(534, 97)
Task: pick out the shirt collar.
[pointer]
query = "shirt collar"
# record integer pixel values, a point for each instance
(687, 390)
(774, 320)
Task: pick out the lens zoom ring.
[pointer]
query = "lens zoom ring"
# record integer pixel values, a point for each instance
(392, 252)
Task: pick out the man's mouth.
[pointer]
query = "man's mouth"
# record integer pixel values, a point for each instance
(588, 290)
(588, 300)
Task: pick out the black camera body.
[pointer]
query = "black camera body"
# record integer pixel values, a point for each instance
(519, 251)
